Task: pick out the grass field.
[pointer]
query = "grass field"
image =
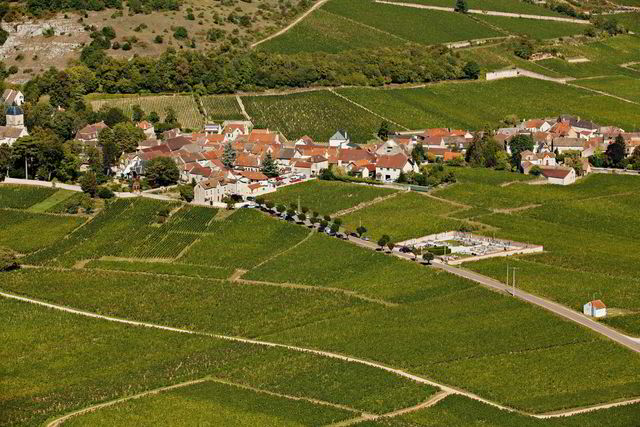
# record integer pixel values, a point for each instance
(317, 114)
(23, 197)
(212, 403)
(406, 216)
(472, 105)
(26, 232)
(513, 6)
(631, 21)
(327, 32)
(534, 28)
(401, 22)
(221, 107)
(184, 106)
(327, 197)
(623, 86)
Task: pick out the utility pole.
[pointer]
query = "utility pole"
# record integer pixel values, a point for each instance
(513, 292)
(26, 168)
(507, 282)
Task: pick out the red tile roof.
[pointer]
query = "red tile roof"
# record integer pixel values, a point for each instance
(397, 161)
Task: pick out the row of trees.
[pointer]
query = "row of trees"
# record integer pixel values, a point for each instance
(187, 71)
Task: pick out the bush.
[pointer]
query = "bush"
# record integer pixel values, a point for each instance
(105, 193)
(8, 260)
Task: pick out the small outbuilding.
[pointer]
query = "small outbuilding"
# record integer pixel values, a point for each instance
(595, 308)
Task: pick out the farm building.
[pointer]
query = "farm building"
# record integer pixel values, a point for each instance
(595, 308)
(388, 168)
(559, 175)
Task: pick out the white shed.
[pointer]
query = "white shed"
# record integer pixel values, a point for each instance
(595, 308)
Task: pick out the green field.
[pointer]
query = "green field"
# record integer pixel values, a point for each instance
(474, 104)
(80, 362)
(406, 216)
(534, 28)
(513, 6)
(623, 86)
(327, 197)
(221, 107)
(458, 411)
(317, 114)
(631, 21)
(26, 232)
(605, 57)
(184, 105)
(23, 197)
(435, 26)
(49, 203)
(327, 32)
(212, 403)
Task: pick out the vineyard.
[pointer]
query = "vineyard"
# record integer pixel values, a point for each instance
(534, 28)
(513, 6)
(326, 197)
(221, 108)
(622, 86)
(184, 105)
(26, 232)
(402, 22)
(22, 197)
(474, 104)
(317, 114)
(327, 32)
(403, 217)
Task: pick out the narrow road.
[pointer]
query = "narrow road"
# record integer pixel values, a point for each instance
(489, 12)
(445, 388)
(495, 285)
(291, 25)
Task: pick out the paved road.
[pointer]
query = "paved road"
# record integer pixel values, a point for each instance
(558, 309)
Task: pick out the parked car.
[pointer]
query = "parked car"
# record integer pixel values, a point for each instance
(405, 250)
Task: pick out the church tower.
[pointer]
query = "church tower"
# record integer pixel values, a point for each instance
(15, 117)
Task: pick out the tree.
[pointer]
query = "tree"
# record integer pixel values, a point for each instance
(634, 159)
(89, 184)
(186, 193)
(518, 144)
(136, 113)
(153, 117)
(334, 228)
(281, 208)
(471, 70)
(385, 130)
(269, 167)
(229, 155)
(475, 153)
(391, 245)
(383, 241)
(461, 6)
(616, 151)
(127, 136)
(535, 170)
(5, 160)
(171, 117)
(110, 151)
(428, 257)
(418, 154)
(162, 171)
(361, 230)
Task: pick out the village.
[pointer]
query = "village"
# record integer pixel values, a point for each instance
(236, 159)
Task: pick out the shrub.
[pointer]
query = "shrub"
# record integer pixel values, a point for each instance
(105, 193)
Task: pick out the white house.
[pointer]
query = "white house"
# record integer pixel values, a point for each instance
(559, 175)
(212, 129)
(595, 308)
(340, 139)
(147, 128)
(210, 191)
(388, 168)
(391, 148)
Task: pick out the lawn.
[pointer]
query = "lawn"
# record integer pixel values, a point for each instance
(213, 403)
(23, 196)
(317, 114)
(101, 361)
(326, 32)
(472, 105)
(221, 107)
(26, 232)
(401, 22)
(327, 197)
(184, 105)
(534, 28)
(622, 86)
(406, 216)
